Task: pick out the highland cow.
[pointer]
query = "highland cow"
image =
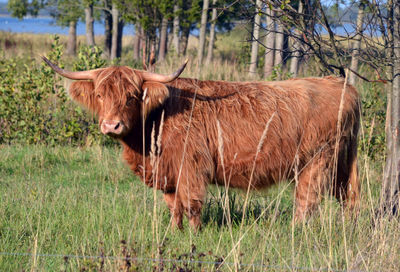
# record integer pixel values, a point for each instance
(181, 134)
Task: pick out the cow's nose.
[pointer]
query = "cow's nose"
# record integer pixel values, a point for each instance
(111, 127)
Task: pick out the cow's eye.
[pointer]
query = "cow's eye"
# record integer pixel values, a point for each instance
(99, 97)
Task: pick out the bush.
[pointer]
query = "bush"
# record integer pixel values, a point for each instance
(34, 105)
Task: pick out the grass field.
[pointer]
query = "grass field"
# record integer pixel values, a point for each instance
(85, 202)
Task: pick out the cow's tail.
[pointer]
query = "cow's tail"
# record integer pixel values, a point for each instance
(353, 184)
(347, 187)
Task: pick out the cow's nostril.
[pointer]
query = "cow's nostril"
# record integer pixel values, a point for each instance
(117, 126)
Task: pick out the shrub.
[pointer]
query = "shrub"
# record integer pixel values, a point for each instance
(34, 106)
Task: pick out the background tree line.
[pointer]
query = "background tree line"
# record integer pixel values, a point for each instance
(160, 25)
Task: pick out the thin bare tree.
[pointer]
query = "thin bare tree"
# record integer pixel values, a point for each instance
(175, 29)
(212, 33)
(297, 46)
(390, 196)
(89, 24)
(269, 42)
(107, 27)
(202, 37)
(163, 38)
(114, 41)
(71, 43)
(279, 40)
(136, 42)
(357, 42)
(255, 38)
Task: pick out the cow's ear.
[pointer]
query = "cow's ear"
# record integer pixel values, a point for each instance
(83, 93)
(154, 96)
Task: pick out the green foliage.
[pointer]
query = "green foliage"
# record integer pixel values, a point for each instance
(20, 8)
(34, 106)
(279, 73)
(372, 142)
(17, 8)
(65, 11)
(89, 57)
(243, 55)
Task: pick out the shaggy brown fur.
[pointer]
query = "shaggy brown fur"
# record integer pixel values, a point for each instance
(194, 120)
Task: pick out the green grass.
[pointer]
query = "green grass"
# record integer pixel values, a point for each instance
(85, 201)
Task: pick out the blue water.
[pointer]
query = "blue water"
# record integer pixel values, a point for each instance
(48, 25)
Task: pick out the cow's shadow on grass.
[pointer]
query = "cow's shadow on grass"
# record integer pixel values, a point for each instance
(221, 209)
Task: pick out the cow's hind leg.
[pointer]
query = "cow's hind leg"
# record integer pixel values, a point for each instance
(312, 183)
(176, 209)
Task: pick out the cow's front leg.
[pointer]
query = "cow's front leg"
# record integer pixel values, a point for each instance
(192, 198)
(176, 209)
(193, 211)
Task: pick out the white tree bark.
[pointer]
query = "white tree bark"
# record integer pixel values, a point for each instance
(71, 44)
(202, 38)
(114, 39)
(254, 44)
(391, 184)
(163, 39)
(107, 33)
(89, 25)
(357, 43)
(175, 29)
(294, 64)
(184, 39)
(279, 40)
(212, 34)
(136, 42)
(269, 43)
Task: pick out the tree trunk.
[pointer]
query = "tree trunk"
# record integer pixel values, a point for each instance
(202, 37)
(254, 44)
(89, 25)
(391, 185)
(294, 64)
(114, 40)
(107, 33)
(212, 34)
(388, 122)
(357, 43)
(269, 43)
(71, 44)
(119, 37)
(163, 39)
(279, 41)
(184, 40)
(175, 29)
(136, 42)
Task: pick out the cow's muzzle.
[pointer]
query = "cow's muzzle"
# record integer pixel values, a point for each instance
(111, 127)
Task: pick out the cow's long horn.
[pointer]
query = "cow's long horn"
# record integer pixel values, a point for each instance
(147, 76)
(82, 75)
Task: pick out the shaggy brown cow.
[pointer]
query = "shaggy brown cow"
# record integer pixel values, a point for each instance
(236, 134)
